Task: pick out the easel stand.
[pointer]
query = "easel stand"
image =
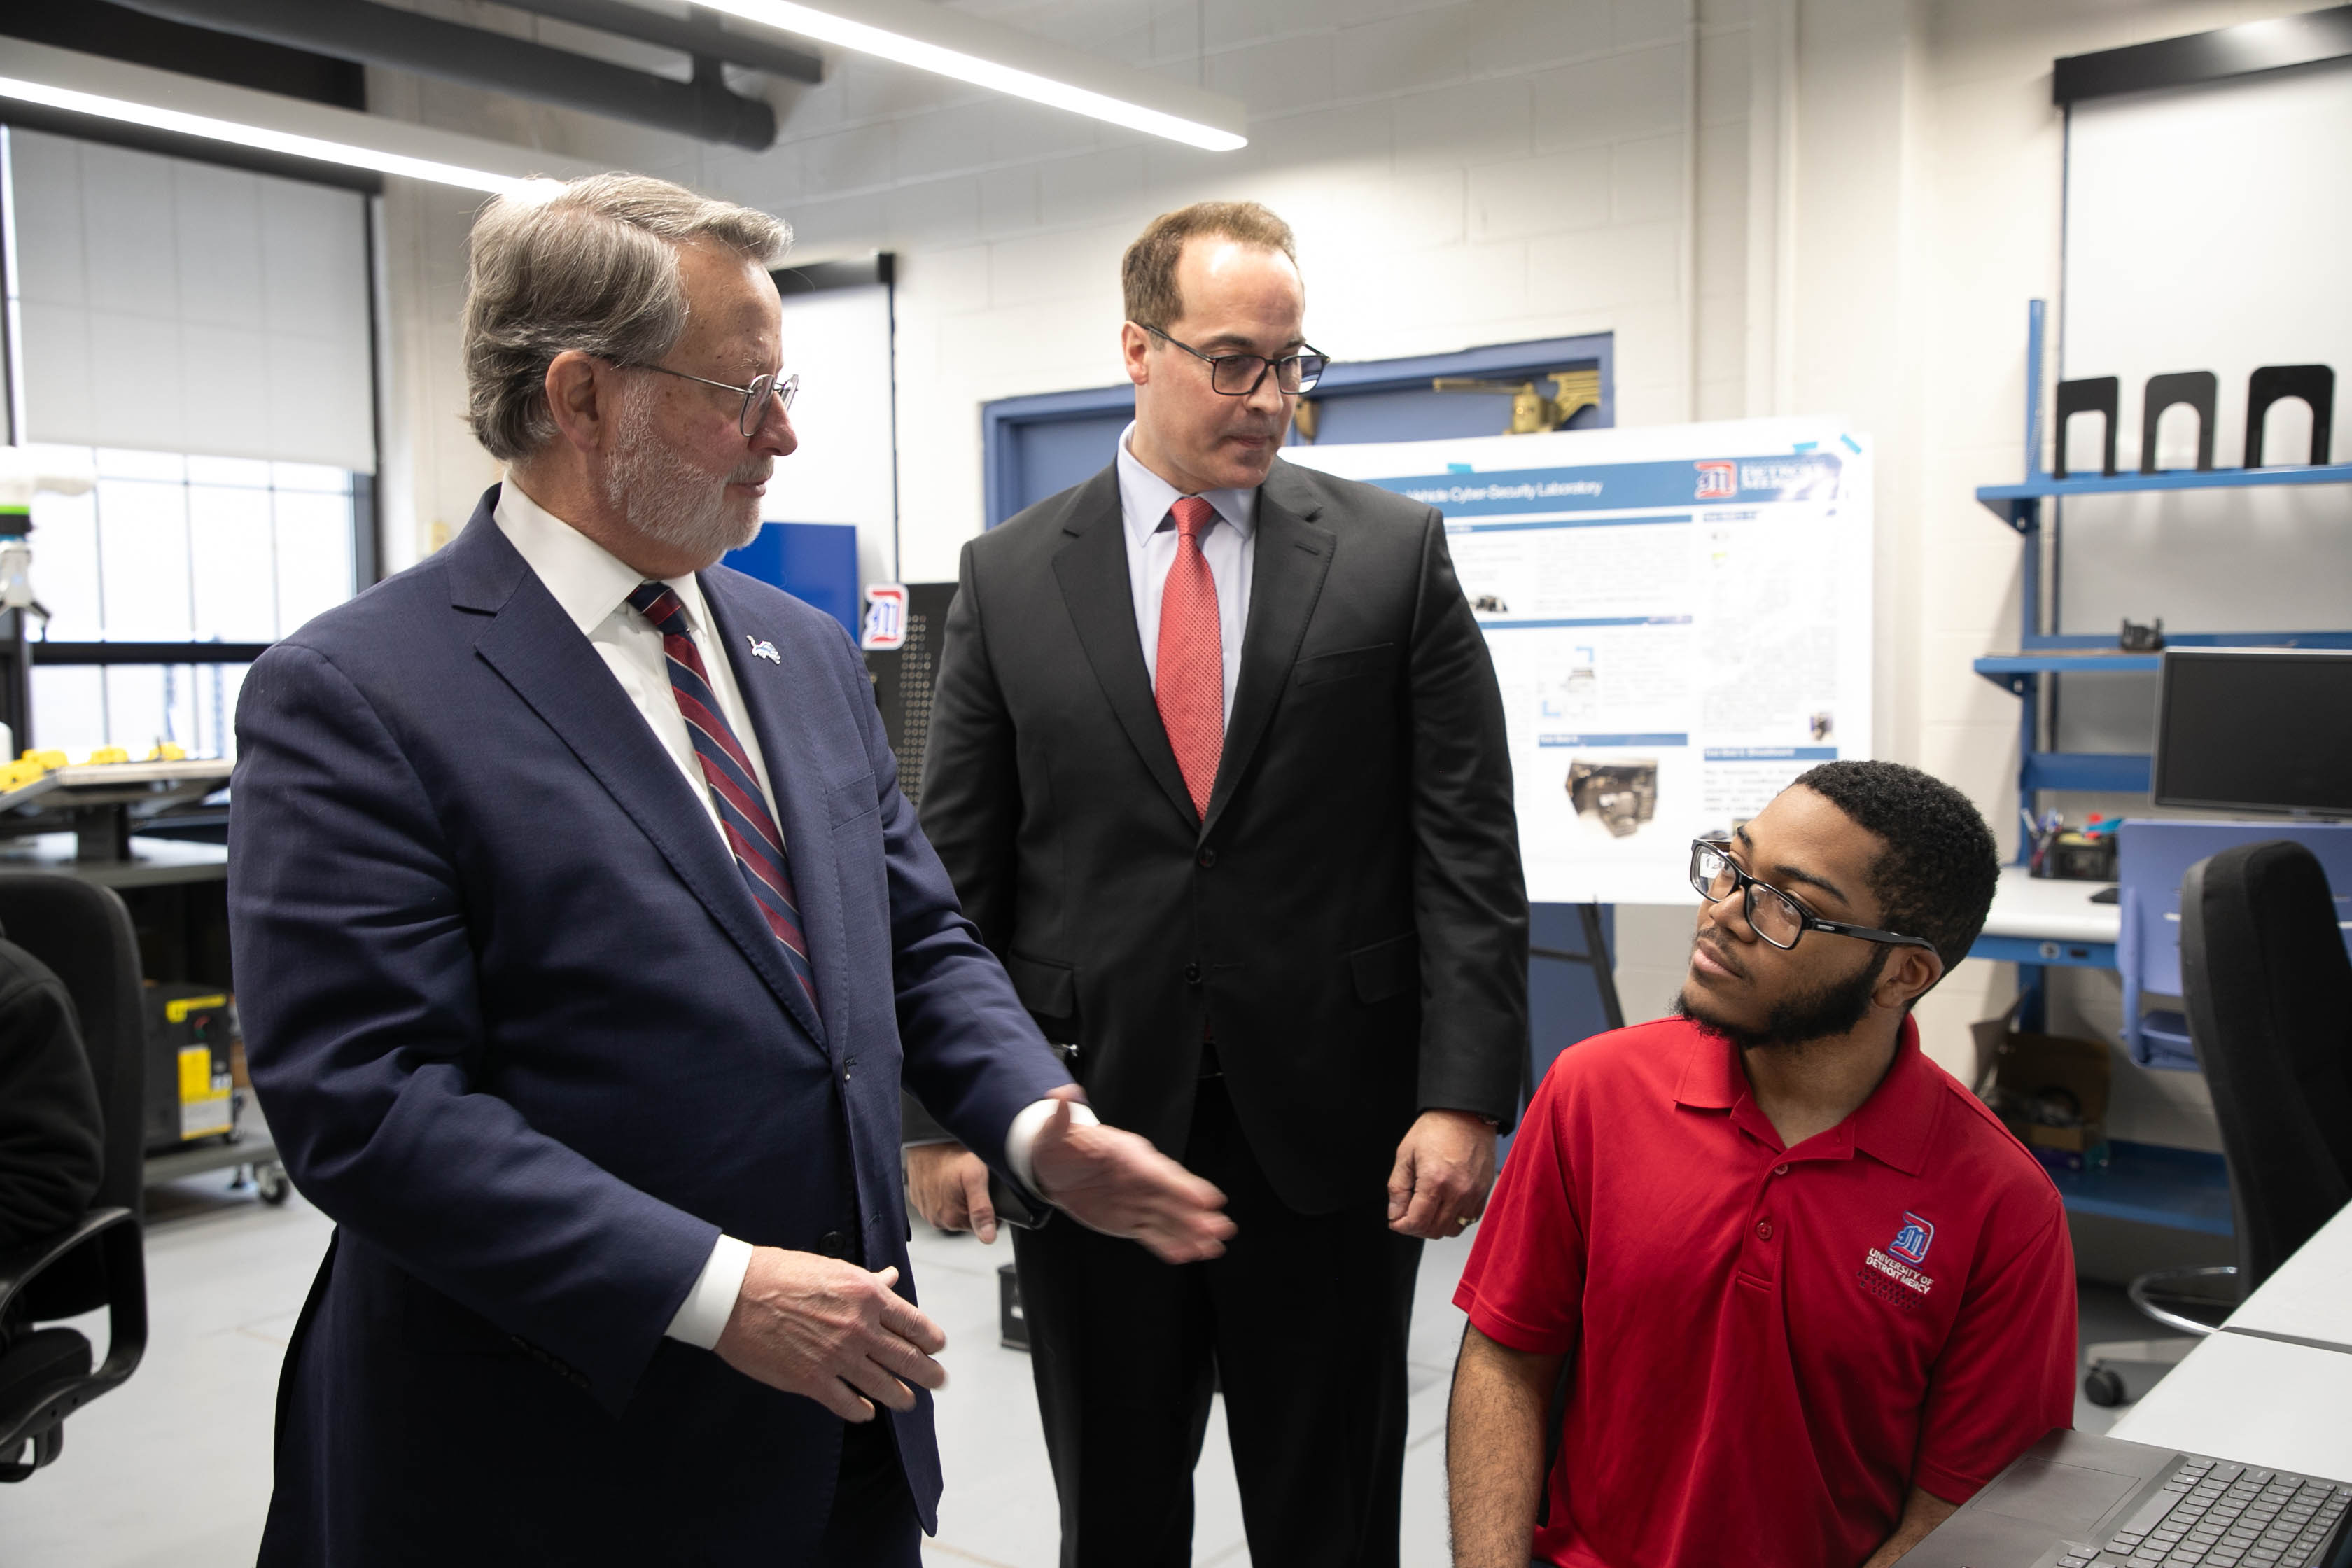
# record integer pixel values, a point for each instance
(1596, 956)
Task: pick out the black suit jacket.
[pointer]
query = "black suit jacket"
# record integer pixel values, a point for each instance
(1350, 919)
(51, 1151)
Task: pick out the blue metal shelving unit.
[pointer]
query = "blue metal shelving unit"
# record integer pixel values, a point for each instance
(2181, 1189)
(2045, 655)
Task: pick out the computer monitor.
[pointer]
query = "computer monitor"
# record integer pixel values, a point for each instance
(2255, 729)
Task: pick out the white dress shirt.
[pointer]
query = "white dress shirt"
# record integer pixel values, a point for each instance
(1144, 499)
(592, 586)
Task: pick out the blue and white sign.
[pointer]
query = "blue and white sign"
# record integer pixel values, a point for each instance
(1679, 617)
(885, 616)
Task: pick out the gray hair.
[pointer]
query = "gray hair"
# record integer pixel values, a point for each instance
(591, 264)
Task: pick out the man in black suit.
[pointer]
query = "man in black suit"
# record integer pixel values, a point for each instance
(1217, 765)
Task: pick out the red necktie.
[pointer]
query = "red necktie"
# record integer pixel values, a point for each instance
(1189, 679)
(734, 788)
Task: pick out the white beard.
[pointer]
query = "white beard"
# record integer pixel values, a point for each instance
(662, 495)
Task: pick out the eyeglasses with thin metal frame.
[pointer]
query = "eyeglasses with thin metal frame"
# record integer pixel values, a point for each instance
(1240, 375)
(1772, 913)
(755, 396)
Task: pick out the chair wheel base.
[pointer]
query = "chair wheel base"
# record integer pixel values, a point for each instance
(2102, 1387)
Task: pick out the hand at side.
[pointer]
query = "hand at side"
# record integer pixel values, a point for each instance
(1445, 1168)
(946, 1184)
(832, 1332)
(1116, 1183)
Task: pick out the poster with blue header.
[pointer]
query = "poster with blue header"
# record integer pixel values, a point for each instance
(1679, 617)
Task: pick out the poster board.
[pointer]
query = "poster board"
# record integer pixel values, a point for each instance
(1679, 617)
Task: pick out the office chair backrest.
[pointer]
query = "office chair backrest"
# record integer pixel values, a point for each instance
(82, 931)
(2269, 991)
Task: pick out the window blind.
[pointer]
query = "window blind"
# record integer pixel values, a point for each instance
(175, 306)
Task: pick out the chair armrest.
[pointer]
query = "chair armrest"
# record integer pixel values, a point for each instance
(117, 1232)
(21, 1265)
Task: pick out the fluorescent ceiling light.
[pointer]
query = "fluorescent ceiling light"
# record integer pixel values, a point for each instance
(932, 37)
(215, 112)
(258, 136)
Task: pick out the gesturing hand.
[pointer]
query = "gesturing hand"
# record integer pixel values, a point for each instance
(1445, 1168)
(831, 1331)
(1116, 1183)
(948, 1185)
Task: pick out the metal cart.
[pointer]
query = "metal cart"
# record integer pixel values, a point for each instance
(247, 1149)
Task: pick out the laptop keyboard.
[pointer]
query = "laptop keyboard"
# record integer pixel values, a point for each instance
(2213, 1514)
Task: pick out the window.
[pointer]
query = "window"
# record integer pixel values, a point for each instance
(214, 325)
(179, 549)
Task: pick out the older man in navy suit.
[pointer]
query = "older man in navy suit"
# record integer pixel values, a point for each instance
(583, 941)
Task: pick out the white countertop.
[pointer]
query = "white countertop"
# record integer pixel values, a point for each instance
(2310, 1297)
(2050, 909)
(2259, 1402)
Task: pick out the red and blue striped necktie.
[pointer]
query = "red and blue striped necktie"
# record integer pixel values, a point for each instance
(734, 785)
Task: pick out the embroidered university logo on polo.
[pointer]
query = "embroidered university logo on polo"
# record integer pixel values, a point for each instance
(1899, 1262)
(744, 814)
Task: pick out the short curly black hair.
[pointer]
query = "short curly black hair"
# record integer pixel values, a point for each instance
(1937, 875)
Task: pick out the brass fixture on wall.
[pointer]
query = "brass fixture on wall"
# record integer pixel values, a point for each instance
(1531, 411)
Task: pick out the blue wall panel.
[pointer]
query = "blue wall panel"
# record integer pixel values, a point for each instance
(814, 561)
(1563, 999)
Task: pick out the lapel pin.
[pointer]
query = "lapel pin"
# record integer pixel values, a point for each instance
(766, 650)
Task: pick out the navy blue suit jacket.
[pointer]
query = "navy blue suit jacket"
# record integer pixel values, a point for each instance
(522, 1032)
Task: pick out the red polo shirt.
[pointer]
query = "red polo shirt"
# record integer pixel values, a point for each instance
(1771, 1344)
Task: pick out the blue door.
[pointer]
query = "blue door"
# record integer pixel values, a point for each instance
(1049, 456)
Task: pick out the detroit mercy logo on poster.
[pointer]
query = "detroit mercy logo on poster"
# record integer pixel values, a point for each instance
(885, 616)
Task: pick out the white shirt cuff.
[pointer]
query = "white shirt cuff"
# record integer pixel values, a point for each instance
(702, 1315)
(1020, 1138)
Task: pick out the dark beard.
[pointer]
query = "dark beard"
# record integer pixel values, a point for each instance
(1797, 1021)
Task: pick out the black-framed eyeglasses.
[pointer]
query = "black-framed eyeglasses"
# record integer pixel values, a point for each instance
(1239, 375)
(754, 412)
(1772, 913)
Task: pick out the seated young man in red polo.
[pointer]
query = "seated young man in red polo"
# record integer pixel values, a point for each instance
(1812, 1295)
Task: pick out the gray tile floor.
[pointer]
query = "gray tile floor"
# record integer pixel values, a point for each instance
(173, 1468)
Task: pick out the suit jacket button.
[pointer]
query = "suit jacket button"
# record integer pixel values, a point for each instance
(1207, 858)
(1192, 974)
(833, 1244)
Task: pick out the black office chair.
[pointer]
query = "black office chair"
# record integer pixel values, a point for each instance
(83, 933)
(2270, 1011)
(2269, 991)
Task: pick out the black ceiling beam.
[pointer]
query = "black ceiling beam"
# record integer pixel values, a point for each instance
(2225, 52)
(818, 277)
(403, 40)
(697, 33)
(94, 27)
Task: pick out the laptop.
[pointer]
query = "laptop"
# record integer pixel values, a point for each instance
(2079, 1500)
